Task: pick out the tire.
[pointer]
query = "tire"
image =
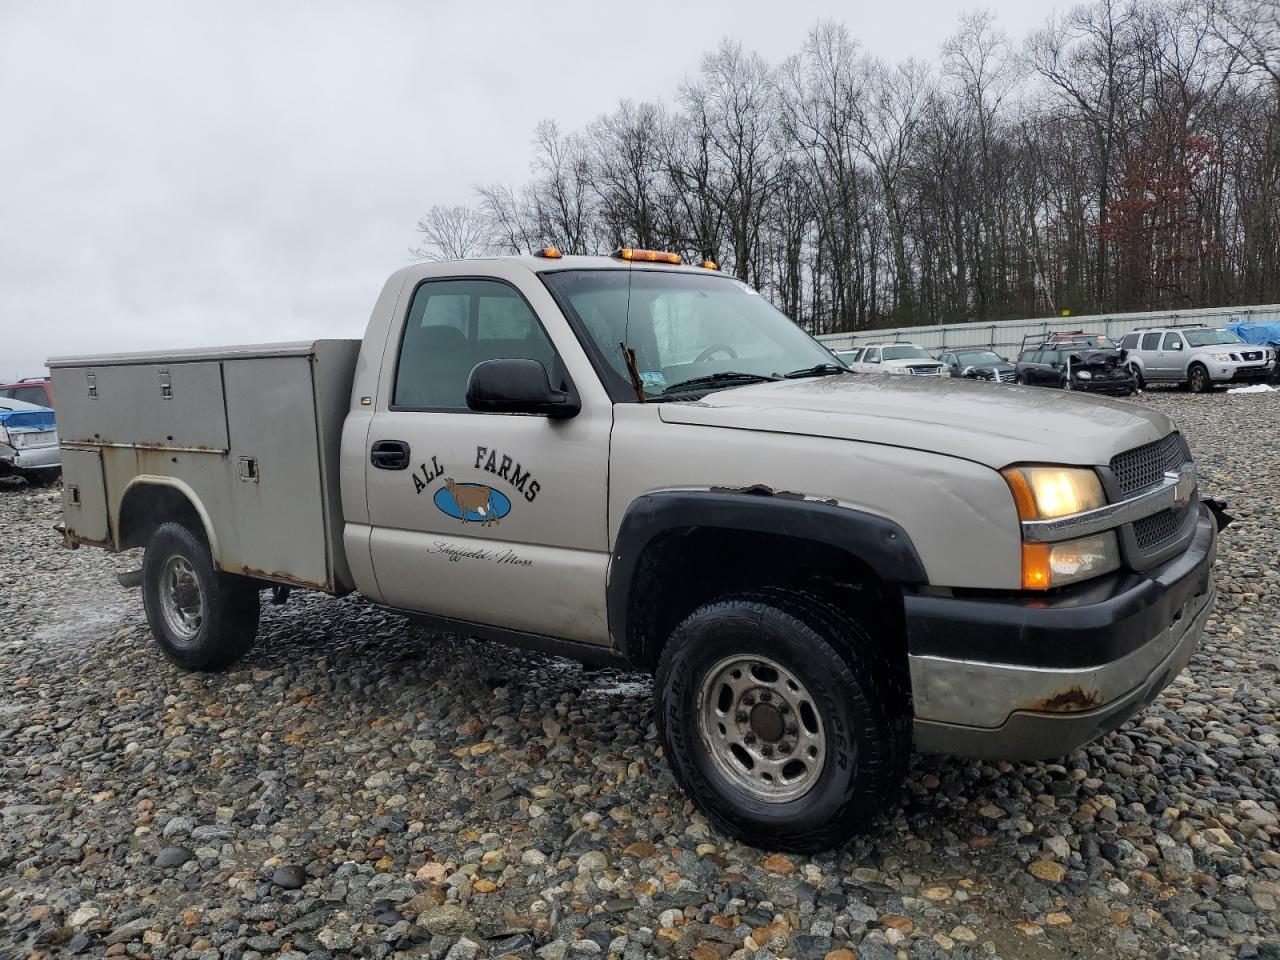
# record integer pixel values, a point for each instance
(1066, 384)
(849, 692)
(177, 574)
(1138, 382)
(42, 478)
(1198, 379)
(1017, 378)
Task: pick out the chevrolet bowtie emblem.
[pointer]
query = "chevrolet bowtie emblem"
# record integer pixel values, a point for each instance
(1186, 483)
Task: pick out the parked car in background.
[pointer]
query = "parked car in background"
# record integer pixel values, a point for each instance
(898, 358)
(37, 390)
(979, 365)
(28, 442)
(1076, 361)
(1200, 357)
(848, 357)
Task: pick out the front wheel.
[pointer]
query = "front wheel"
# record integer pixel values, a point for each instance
(1198, 379)
(782, 719)
(202, 619)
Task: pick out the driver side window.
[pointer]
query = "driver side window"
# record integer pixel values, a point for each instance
(1172, 341)
(873, 356)
(453, 325)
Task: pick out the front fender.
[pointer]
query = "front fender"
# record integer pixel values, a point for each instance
(879, 543)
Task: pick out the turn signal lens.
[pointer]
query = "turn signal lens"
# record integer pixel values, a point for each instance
(1044, 493)
(1036, 574)
(1046, 565)
(647, 256)
(551, 253)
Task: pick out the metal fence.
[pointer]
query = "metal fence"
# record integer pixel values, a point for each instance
(1006, 336)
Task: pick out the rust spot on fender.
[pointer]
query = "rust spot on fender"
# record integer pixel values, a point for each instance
(1068, 701)
(761, 490)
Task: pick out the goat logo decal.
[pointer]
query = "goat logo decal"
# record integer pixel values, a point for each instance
(472, 502)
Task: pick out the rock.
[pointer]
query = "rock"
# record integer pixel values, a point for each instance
(1048, 871)
(778, 864)
(132, 930)
(447, 920)
(172, 857)
(289, 877)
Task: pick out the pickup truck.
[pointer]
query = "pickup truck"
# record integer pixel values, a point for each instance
(637, 462)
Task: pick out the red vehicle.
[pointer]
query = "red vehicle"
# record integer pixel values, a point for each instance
(29, 390)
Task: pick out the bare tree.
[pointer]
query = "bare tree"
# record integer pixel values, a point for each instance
(1126, 155)
(454, 233)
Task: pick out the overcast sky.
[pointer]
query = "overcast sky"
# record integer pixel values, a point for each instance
(174, 174)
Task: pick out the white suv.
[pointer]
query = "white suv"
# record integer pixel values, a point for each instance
(899, 358)
(1199, 357)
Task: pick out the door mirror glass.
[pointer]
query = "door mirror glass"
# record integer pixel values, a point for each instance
(517, 386)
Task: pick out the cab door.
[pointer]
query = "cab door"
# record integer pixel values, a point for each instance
(497, 519)
(1169, 362)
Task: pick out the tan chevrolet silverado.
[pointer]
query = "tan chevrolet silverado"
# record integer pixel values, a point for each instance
(633, 461)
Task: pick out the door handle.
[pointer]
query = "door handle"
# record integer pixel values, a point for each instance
(389, 454)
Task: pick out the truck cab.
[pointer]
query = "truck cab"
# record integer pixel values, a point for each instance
(634, 461)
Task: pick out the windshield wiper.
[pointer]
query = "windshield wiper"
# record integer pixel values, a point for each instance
(714, 379)
(817, 370)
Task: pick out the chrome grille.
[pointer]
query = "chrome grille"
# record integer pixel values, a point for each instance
(1145, 466)
(1153, 531)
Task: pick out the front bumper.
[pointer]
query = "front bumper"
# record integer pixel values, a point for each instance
(1112, 388)
(1032, 678)
(1251, 373)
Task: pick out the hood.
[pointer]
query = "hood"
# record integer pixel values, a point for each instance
(913, 362)
(951, 416)
(1003, 366)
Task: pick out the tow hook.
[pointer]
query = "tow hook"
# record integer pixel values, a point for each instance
(1219, 511)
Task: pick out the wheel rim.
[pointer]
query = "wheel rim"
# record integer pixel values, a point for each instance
(181, 599)
(1197, 380)
(761, 729)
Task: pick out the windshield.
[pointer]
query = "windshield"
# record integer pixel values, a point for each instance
(683, 326)
(905, 353)
(979, 356)
(1207, 338)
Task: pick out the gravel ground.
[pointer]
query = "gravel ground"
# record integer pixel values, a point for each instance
(358, 787)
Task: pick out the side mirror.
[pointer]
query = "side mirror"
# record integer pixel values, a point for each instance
(518, 386)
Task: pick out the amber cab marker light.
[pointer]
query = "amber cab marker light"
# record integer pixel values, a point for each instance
(709, 265)
(647, 256)
(551, 253)
(1036, 572)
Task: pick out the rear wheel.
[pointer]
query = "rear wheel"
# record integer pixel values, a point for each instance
(782, 719)
(202, 619)
(1198, 379)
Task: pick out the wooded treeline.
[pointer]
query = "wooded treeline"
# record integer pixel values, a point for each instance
(1125, 156)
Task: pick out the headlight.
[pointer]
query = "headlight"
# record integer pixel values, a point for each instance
(1046, 565)
(1220, 357)
(1083, 375)
(1044, 493)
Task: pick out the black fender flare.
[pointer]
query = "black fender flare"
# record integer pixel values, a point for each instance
(880, 543)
